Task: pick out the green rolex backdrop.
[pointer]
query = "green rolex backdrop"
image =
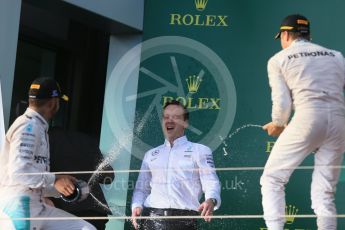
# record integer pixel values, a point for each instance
(211, 55)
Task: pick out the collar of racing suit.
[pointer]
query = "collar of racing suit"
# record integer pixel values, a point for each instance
(299, 40)
(177, 142)
(30, 113)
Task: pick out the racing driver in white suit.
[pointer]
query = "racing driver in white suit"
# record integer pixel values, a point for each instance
(310, 79)
(25, 180)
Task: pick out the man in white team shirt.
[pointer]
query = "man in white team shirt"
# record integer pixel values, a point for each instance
(173, 177)
(310, 79)
(25, 179)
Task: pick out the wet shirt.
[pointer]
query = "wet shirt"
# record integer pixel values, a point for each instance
(176, 177)
(26, 150)
(305, 75)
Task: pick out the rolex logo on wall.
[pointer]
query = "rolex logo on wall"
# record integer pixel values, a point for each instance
(193, 83)
(200, 4)
(199, 19)
(290, 212)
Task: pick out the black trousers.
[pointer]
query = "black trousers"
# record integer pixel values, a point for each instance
(168, 224)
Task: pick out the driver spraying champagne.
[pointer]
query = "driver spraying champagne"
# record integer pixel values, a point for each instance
(309, 78)
(25, 179)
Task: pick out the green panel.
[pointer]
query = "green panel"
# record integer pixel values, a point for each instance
(228, 43)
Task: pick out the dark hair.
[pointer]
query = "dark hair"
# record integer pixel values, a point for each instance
(38, 102)
(174, 102)
(296, 35)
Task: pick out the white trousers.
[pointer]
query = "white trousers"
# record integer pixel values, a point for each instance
(16, 208)
(320, 130)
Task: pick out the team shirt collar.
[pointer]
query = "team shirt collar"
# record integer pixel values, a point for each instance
(178, 141)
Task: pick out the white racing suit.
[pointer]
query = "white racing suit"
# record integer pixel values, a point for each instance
(25, 179)
(309, 78)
